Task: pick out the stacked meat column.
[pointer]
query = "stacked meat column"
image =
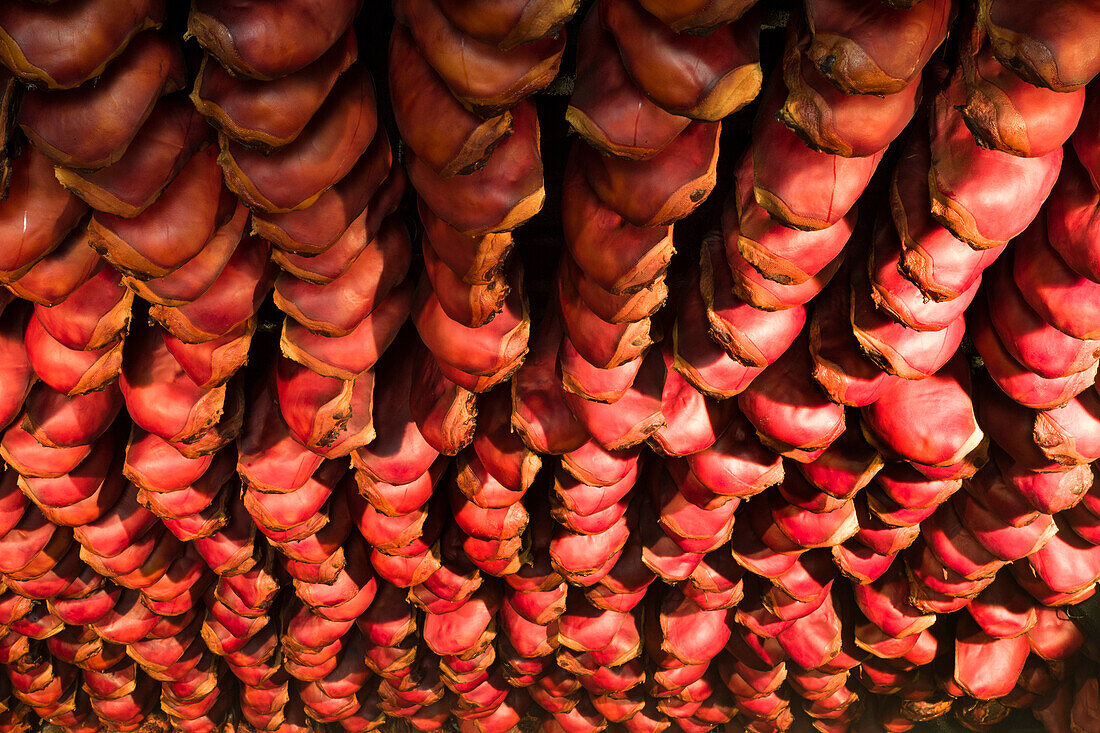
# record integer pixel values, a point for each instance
(320, 183)
(459, 76)
(1005, 120)
(920, 290)
(165, 221)
(786, 225)
(123, 579)
(627, 183)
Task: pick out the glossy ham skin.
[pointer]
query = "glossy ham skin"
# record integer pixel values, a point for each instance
(17, 370)
(1073, 219)
(750, 335)
(159, 151)
(630, 420)
(346, 356)
(779, 253)
(474, 259)
(908, 353)
(329, 416)
(696, 16)
(664, 188)
(337, 307)
(59, 421)
(508, 23)
(1044, 44)
(30, 458)
(91, 127)
(750, 285)
(603, 345)
(498, 197)
(229, 303)
(399, 455)
(939, 263)
(161, 397)
(35, 216)
(485, 78)
(93, 316)
(172, 230)
(802, 188)
(1060, 296)
(444, 134)
(952, 431)
(480, 357)
(472, 305)
(841, 367)
(267, 40)
(615, 254)
(703, 77)
(318, 228)
(338, 258)
(296, 175)
(1035, 344)
(270, 459)
(212, 363)
(382, 456)
(608, 109)
(197, 275)
(540, 415)
(697, 356)
(899, 296)
(851, 125)
(788, 409)
(613, 308)
(1007, 113)
(57, 275)
(444, 412)
(1069, 434)
(273, 113)
(63, 46)
(870, 48)
(152, 464)
(961, 200)
(1021, 384)
(1013, 428)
